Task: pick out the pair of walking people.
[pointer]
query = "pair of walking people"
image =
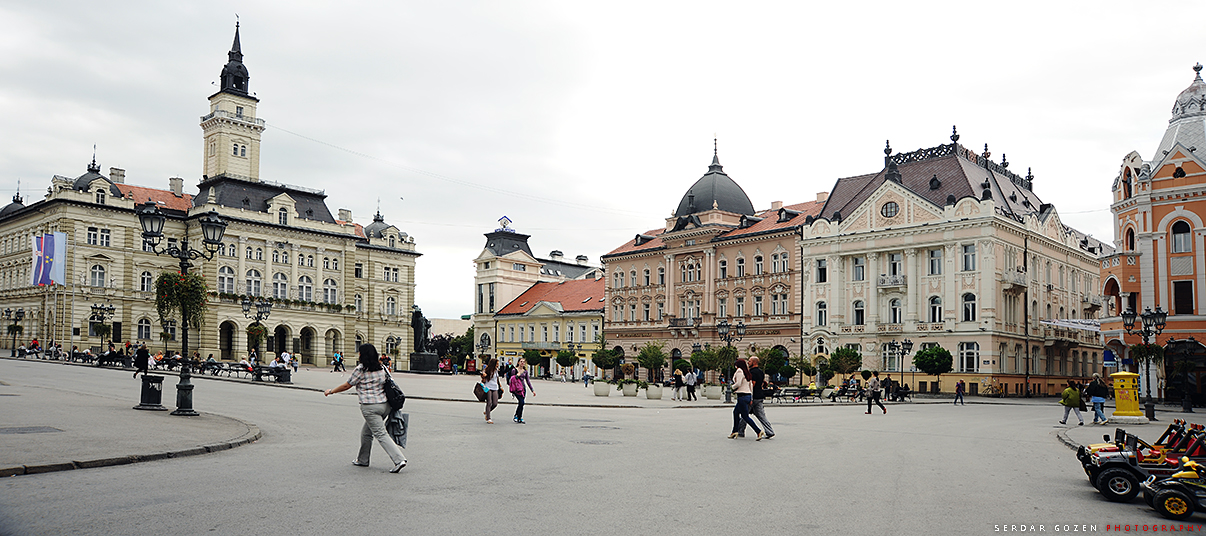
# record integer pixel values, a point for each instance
(749, 385)
(492, 384)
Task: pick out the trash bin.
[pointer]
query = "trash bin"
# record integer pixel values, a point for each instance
(152, 393)
(284, 375)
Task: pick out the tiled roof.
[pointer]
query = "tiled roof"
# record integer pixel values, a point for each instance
(770, 221)
(574, 296)
(164, 198)
(631, 245)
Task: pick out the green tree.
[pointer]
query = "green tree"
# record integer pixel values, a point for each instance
(772, 360)
(705, 360)
(531, 356)
(604, 359)
(682, 365)
(567, 358)
(652, 356)
(442, 344)
(726, 360)
(934, 360)
(845, 360)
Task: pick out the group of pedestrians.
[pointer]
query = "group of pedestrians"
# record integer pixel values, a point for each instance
(684, 381)
(1073, 399)
(750, 388)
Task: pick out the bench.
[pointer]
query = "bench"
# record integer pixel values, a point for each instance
(279, 375)
(794, 394)
(232, 369)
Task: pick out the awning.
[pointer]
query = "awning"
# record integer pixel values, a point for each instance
(1074, 323)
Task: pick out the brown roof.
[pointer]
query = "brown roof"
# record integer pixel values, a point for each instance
(770, 221)
(575, 295)
(163, 198)
(630, 246)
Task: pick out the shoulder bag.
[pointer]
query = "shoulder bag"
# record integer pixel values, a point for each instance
(393, 393)
(479, 391)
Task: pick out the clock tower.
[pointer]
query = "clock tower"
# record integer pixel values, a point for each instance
(231, 129)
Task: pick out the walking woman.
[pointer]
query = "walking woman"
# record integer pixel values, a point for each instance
(516, 383)
(744, 389)
(678, 385)
(873, 392)
(142, 359)
(490, 384)
(369, 378)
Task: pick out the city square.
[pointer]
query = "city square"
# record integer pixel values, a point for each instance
(575, 468)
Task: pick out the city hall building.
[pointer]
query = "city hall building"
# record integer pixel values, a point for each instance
(333, 283)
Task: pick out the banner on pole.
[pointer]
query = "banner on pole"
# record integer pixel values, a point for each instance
(49, 259)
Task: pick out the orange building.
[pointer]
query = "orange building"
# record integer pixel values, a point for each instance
(1160, 262)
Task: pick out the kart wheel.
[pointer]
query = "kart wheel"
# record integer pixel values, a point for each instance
(1149, 498)
(1173, 504)
(1118, 485)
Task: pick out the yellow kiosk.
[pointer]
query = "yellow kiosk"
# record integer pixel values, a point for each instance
(1126, 399)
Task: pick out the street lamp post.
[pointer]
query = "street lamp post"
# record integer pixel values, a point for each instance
(1152, 326)
(212, 230)
(263, 308)
(728, 333)
(483, 344)
(16, 317)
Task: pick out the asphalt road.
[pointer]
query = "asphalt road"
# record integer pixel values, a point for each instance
(920, 469)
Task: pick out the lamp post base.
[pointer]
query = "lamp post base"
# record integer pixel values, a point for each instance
(1149, 409)
(184, 401)
(1186, 404)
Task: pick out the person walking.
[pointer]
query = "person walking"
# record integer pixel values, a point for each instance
(744, 389)
(959, 387)
(1097, 392)
(689, 380)
(873, 393)
(142, 359)
(490, 384)
(516, 383)
(369, 379)
(678, 385)
(758, 377)
(1070, 398)
(336, 362)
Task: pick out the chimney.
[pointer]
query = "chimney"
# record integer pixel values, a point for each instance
(581, 260)
(117, 175)
(176, 184)
(776, 205)
(345, 215)
(822, 197)
(555, 255)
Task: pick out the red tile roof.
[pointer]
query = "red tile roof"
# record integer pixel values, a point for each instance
(574, 295)
(165, 198)
(770, 223)
(630, 246)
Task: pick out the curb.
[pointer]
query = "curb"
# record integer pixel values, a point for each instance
(1062, 436)
(253, 434)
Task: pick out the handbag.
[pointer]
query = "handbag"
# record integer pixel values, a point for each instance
(479, 391)
(393, 393)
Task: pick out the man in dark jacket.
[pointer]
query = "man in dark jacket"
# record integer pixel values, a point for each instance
(758, 378)
(1097, 393)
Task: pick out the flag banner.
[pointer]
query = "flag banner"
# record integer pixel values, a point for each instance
(49, 259)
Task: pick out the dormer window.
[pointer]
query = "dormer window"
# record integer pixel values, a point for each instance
(283, 216)
(100, 197)
(391, 241)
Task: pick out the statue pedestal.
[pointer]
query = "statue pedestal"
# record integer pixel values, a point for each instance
(424, 362)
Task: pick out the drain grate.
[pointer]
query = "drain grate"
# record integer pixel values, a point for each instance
(603, 427)
(596, 442)
(28, 430)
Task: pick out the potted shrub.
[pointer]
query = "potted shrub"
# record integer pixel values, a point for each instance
(628, 386)
(652, 390)
(604, 360)
(652, 356)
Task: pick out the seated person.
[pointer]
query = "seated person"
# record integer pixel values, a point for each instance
(246, 364)
(277, 363)
(812, 386)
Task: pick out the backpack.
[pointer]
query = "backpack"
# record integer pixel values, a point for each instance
(516, 384)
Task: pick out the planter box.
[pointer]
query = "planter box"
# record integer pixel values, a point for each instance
(602, 389)
(630, 389)
(714, 392)
(653, 393)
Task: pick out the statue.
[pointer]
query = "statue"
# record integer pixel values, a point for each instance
(422, 328)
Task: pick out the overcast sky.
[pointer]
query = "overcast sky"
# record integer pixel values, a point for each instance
(585, 123)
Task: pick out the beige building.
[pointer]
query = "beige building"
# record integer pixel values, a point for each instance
(333, 283)
(551, 317)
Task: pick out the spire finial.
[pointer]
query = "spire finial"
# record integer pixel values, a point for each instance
(715, 167)
(1029, 175)
(1197, 71)
(887, 147)
(1004, 162)
(954, 134)
(17, 196)
(93, 167)
(986, 152)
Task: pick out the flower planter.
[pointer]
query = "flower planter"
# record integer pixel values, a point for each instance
(630, 389)
(602, 389)
(653, 393)
(714, 392)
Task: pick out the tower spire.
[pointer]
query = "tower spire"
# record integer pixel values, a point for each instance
(93, 167)
(715, 167)
(234, 73)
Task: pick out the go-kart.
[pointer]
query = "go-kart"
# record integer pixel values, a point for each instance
(1179, 495)
(1117, 473)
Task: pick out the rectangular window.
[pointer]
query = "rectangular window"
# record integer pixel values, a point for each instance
(740, 267)
(582, 330)
(544, 333)
(969, 356)
(556, 332)
(969, 259)
(481, 298)
(359, 271)
(92, 236)
(758, 265)
(740, 306)
(647, 311)
(104, 237)
(519, 267)
(661, 310)
(661, 276)
(935, 261)
(895, 264)
(632, 312)
(1182, 297)
(859, 272)
(491, 292)
(758, 305)
(724, 269)
(822, 271)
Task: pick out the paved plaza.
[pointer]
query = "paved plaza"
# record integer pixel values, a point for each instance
(583, 464)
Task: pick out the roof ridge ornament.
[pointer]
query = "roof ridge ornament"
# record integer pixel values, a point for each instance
(715, 167)
(1197, 71)
(954, 134)
(93, 167)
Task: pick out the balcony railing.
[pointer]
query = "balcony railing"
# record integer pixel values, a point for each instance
(685, 322)
(541, 345)
(886, 280)
(234, 116)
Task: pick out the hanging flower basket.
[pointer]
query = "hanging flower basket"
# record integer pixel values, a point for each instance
(180, 292)
(255, 334)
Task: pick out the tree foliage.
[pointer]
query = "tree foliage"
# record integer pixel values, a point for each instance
(604, 358)
(652, 355)
(772, 360)
(532, 356)
(441, 344)
(1144, 353)
(179, 292)
(567, 358)
(934, 360)
(845, 360)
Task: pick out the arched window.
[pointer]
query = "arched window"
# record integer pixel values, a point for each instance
(935, 309)
(233, 250)
(358, 302)
(391, 343)
(724, 268)
(98, 275)
(969, 307)
(253, 282)
(334, 264)
(391, 306)
(310, 261)
(741, 267)
(305, 288)
(757, 264)
(1130, 239)
(249, 252)
(619, 280)
(221, 250)
(301, 259)
(282, 216)
(895, 312)
(1181, 241)
(235, 150)
(328, 291)
(144, 329)
(280, 286)
(326, 263)
(661, 276)
(145, 282)
(259, 254)
(632, 280)
(276, 256)
(821, 313)
(391, 241)
(648, 281)
(860, 313)
(226, 280)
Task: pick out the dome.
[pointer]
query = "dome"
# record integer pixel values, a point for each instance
(1192, 101)
(84, 181)
(373, 230)
(12, 207)
(714, 188)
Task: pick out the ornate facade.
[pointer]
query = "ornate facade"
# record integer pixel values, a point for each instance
(334, 284)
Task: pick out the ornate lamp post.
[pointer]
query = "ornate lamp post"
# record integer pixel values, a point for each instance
(212, 230)
(483, 344)
(728, 333)
(16, 317)
(101, 314)
(1152, 326)
(262, 307)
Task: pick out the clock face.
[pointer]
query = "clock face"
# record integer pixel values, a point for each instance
(890, 209)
